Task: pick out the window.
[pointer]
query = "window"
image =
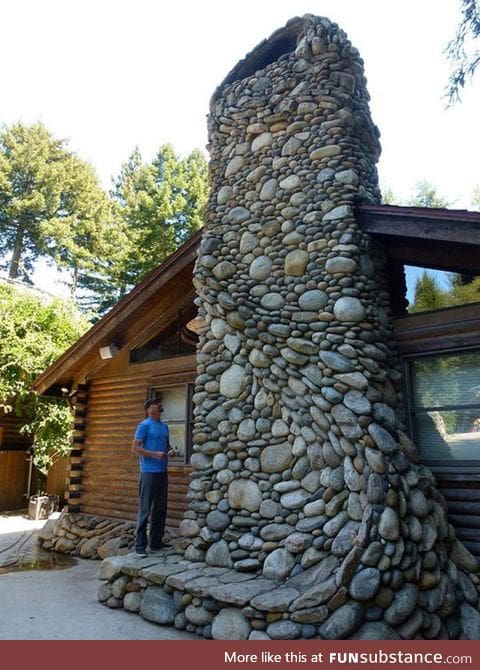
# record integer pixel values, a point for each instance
(179, 338)
(177, 414)
(429, 289)
(445, 407)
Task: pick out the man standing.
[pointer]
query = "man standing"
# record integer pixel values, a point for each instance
(151, 443)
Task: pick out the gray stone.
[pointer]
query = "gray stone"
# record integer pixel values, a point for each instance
(275, 531)
(275, 601)
(357, 402)
(389, 524)
(278, 564)
(383, 439)
(343, 622)
(260, 268)
(272, 301)
(418, 503)
(327, 151)
(261, 141)
(340, 265)
(316, 595)
(244, 494)
(347, 421)
(335, 361)
(230, 624)
(234, 165)
(111, 567)
(340, 212)
(133, 601)
(248, 242)
(217, 520)
(365, 584)
(284, 630)
(403, 604)
(276, 458)
(295, 499)
(268, 190)
(199, 616)
(313, 300)
(233, 381)
(219, 555)
(349, 309)
(158, 606)
(238, 214)
(291, 182)
(240, 593)
(119, 586)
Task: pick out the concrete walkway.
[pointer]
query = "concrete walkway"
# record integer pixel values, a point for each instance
(58, 604)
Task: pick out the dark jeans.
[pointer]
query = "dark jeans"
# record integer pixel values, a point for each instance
(152, 501)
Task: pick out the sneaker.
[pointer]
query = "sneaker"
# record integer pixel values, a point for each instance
(161, 547)
(141, 553)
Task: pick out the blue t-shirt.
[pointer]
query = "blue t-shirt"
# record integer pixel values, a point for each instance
(154, 435)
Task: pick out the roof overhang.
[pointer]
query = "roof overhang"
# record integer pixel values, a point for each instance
(114, 326)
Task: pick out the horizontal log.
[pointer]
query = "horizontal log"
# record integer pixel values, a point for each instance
(461, 495)
(454, 478)
(465, 521)
(467, 533)
(460, 507)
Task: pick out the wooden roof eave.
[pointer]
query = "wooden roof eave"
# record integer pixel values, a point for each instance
(451, 226)
(76, 358)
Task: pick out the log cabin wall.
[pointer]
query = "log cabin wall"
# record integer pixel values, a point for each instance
(109, 471)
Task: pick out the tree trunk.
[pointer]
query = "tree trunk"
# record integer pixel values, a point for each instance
(74, 284)
(17, 253)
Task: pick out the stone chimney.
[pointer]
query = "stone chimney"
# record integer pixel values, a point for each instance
(302, 471)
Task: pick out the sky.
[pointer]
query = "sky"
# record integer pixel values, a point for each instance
(109, 75)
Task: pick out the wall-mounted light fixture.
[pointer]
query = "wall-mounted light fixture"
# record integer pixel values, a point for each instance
(108, 352)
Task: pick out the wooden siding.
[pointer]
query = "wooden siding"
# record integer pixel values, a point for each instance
(108, 485)
(57, 478)
(462, 493)
(13, 479)
(11, 438)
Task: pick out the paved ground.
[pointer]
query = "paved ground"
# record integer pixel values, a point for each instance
(58, 604)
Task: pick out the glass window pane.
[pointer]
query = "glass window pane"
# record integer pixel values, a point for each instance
(429, 289)
(174, 401)
(178, 438)
(451, 379)
(448, 435)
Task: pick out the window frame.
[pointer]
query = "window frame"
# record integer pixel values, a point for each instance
(411, 410)
(153, 391)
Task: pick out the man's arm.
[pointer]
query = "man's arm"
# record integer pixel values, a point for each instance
(137, 448)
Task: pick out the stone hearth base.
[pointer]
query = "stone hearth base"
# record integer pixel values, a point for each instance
(224, 604)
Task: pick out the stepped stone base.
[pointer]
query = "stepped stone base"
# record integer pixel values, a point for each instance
(87, 536)
(225, 604)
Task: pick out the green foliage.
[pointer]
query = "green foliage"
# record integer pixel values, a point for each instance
(476, 197)
(429, 295)
(463, 289)
(426, 195)
(460, 52)
(160, 205)
(51, 205)
(33, 334)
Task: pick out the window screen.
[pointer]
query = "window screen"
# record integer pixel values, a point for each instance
(445, 393)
